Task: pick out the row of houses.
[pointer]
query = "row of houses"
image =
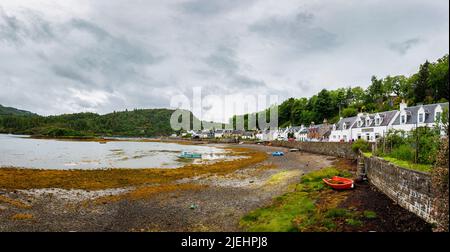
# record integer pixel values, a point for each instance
(367, 126)
(370, 127)
(219, 133)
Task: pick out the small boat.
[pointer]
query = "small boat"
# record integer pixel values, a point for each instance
(277, 154)
(294, 150)
(186, 154)
(339, 183)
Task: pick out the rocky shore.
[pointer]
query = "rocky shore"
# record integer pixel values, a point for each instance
(207, 202)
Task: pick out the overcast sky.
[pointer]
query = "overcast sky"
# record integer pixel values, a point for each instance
(103, 55)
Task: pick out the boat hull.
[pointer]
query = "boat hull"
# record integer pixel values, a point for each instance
(339, 183)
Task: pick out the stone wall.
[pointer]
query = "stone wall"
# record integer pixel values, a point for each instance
(410, 189)
(343, 150)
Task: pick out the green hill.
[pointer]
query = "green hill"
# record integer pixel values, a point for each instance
(136, 123)
(13, 111)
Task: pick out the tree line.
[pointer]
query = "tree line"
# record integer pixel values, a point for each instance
(429, 85)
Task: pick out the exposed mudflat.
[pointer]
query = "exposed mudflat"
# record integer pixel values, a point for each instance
(218, 206)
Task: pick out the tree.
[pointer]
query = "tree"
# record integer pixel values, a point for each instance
(439, 79)
(421, 85)
(323, 108)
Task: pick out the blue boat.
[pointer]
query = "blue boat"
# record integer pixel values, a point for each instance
(186, 154)
(277, 153)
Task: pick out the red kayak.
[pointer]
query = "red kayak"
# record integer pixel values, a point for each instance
(339, 183)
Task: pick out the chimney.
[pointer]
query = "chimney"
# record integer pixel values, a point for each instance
(403, 105)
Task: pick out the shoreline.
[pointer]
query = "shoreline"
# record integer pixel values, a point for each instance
(208, 199)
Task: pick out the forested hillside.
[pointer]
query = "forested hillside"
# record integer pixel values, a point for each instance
(139, 122)
(12, 111)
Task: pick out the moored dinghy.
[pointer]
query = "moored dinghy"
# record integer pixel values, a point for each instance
(277, 153)
(339, 183)
(186, 154)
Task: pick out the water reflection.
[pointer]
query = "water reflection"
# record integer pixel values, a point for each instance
(19, 151)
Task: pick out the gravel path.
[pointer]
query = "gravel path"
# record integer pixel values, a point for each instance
(217, 207)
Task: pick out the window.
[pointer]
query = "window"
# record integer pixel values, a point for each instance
(421, 117)
(403, 119)
(377, 135)
(367, 122)
(344, 126)
(359, 136)
(359, 123)
(377, 121)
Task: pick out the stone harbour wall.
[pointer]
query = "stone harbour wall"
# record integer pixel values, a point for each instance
(410, 189)
(343, 150)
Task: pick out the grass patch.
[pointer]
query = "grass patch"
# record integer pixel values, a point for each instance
(370, 214)
(409, 165)
(13, 178)
(354, 222)
(309, 207)
(281, 176)
(367, 154)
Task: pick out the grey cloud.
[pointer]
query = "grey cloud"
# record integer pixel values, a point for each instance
(297, 31)
(16, 31)
(404, 46)
(108, 56)
(211, 7)
(69, 73)
(224, 62)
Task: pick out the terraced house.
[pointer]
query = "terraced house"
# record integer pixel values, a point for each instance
(410, 118)
(370, 127)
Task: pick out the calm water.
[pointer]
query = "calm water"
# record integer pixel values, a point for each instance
(20, 151)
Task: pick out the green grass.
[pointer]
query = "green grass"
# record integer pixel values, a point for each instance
(409, 165)
(370, 214)
(354, 222)
(297, 211)
(367, 154)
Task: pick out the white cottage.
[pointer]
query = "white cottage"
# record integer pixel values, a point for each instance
(410, 118)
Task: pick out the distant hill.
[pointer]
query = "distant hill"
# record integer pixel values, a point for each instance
(135, 123)
(13, 111)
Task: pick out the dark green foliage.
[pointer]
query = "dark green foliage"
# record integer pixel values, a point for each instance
(420, 146)
(143, 122)
(403, 152)
(361, 145)
(12, 111)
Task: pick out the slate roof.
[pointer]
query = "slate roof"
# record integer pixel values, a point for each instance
(386, 116)
(412, 113)
(348, 120)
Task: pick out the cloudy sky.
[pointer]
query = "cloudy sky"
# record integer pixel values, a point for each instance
(103, 55)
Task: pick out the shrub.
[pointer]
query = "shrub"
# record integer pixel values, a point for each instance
(403, 152)
(362, 145)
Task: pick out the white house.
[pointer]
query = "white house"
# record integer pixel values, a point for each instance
(218, 133)
(267, 135)
(370, 127)
(302, 135)
(410, 118)
(342, 130)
